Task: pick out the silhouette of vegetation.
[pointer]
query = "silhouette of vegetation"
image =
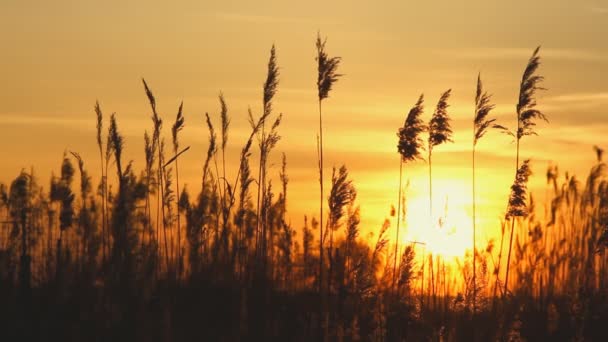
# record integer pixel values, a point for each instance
(481, 124)
(143, 257)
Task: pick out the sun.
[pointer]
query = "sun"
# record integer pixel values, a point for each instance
(449, 232)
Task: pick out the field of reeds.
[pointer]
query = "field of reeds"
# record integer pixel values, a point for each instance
(136, 256)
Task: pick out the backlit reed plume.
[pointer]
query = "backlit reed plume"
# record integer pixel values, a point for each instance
(439, 132)
(517, 204)
(211, 150)
(117, 145)
(518, 196)
(341, 196)
(410, 146)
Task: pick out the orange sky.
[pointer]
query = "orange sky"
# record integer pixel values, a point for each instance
(59, 57)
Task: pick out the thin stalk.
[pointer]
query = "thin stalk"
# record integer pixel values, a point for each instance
(474, 240)
(260, 192)
(512, 220)
(431, 184)
(179, 234)
(106, 236)
(398, 221)
(162, 203)
(320, 197)
(103, 207)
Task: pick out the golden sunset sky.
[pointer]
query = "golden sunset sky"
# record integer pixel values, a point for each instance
(59, 57)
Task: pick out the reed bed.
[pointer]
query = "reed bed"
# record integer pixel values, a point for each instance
(145, 258)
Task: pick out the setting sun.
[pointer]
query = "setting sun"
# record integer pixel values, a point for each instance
(449, 233)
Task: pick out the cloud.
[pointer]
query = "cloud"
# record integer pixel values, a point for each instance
(580, 97)
(599, 10)
(40, 120)
(255, 18)
(519, 53)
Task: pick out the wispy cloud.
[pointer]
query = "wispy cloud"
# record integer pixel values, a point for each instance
(579, 97)
(589, 106)
(255, 18)
(21, 119)
(599, 10)
(519, 53)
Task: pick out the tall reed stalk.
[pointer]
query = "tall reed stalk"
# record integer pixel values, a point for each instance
(481, 123)
(270, 89)
(225, 185)
(149, 152)
(99, 127)
(327, 68)
(175, 129)
(409, 147)
(526, 115)
(156, 142)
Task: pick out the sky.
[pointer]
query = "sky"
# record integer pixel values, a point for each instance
(59, 57)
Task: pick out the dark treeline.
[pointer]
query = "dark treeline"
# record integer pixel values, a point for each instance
(140, 257)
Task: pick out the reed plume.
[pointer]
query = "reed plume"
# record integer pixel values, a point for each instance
(410, 144)
(85, 179)
(483, 107)
(526, 107)
(517, 205)
(440, 132)
(117, 145)
(272, 81)
(341, 195)
(211, 150)
(518, 197)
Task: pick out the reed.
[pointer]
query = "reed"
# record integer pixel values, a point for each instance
(269, 92)
(327, 69)
(160, 181)
(527, 114)
(440, 132)
(99, 126)
(410, 147)
(481, 124)
(175, 129)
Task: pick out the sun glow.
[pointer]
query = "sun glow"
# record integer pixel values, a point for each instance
(449, 232)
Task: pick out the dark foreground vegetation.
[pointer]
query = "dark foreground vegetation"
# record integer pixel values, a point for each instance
(135, 257)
